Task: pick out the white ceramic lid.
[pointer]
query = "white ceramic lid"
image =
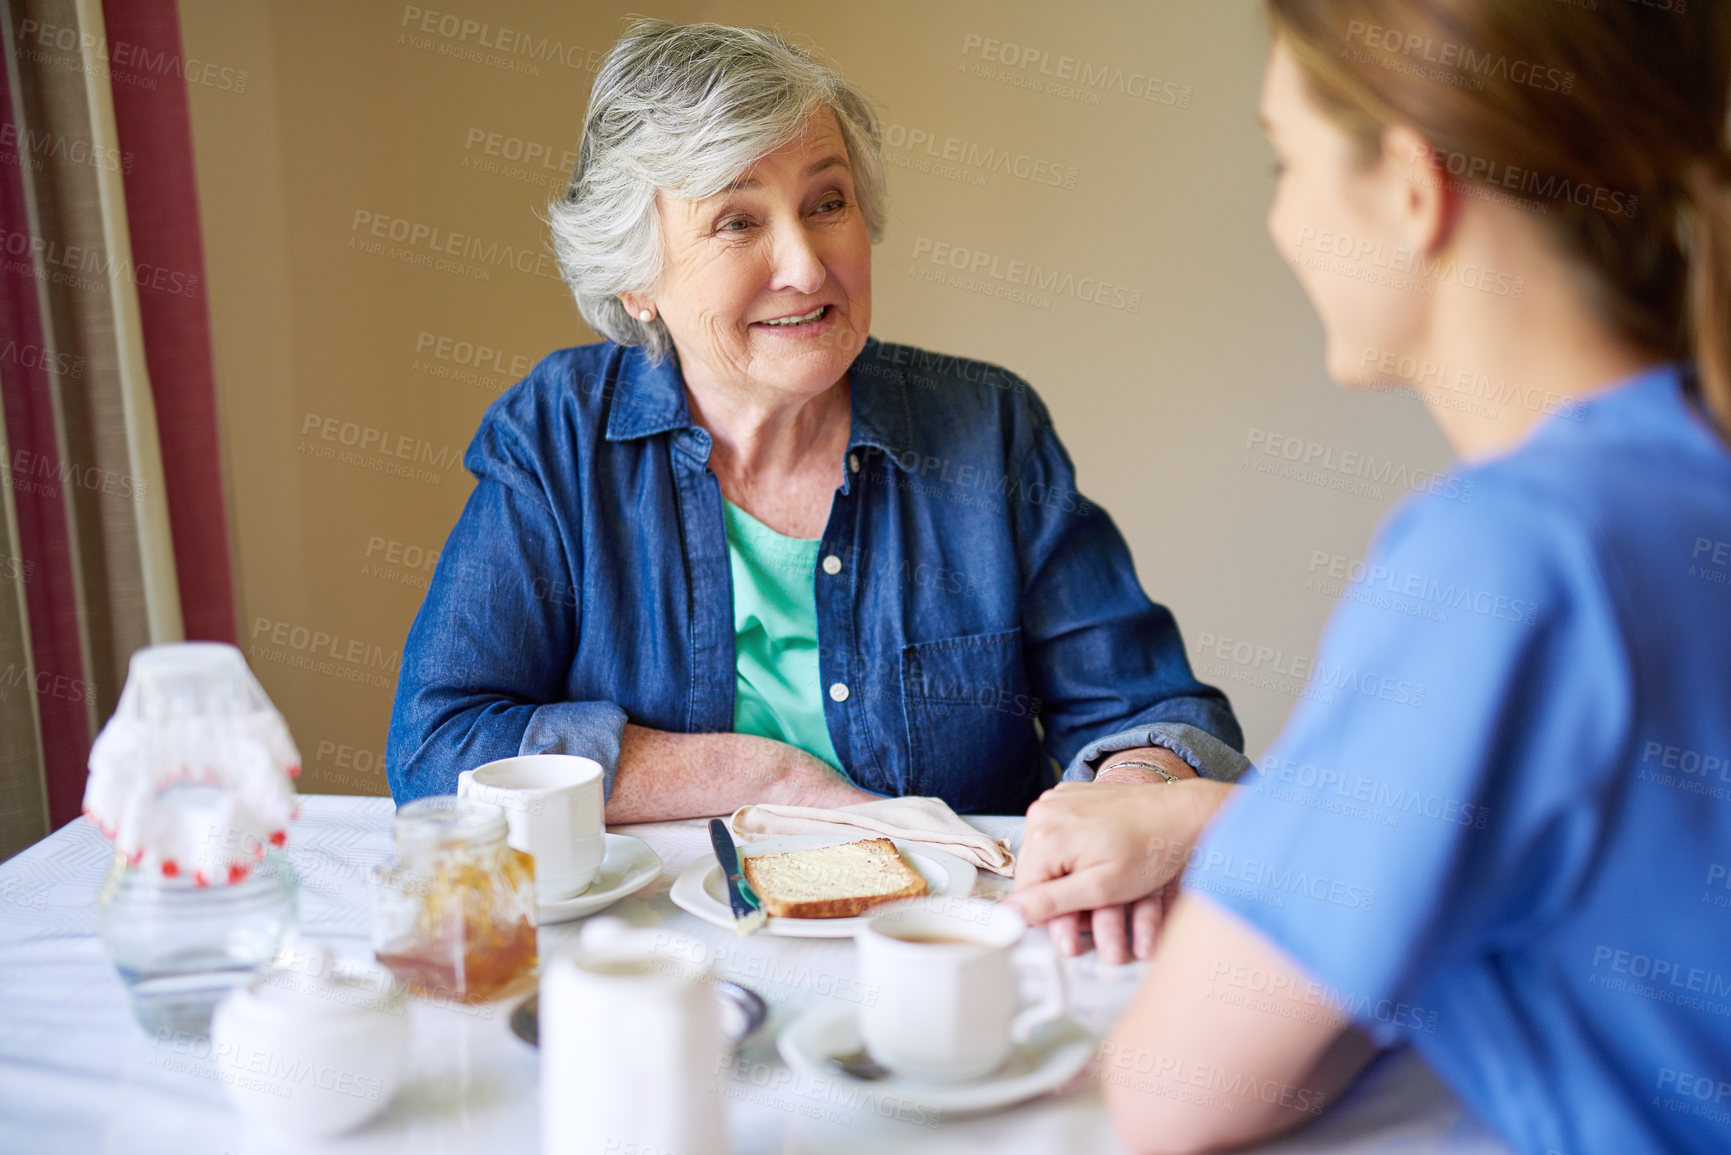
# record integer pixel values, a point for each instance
(310, 989)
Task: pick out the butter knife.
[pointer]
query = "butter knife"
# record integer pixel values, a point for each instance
(748, 914)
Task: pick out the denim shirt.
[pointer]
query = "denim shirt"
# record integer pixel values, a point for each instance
(977, 617)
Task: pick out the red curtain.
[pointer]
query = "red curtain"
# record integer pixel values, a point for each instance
(154, 126)
(37, 392)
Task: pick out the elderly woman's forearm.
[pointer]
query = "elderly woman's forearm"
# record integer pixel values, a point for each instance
(663, 776)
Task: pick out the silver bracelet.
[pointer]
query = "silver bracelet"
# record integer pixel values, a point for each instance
(1164, 773)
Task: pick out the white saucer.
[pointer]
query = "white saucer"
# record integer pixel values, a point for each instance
(1056, 1053)
(627, 866)
(701, 888)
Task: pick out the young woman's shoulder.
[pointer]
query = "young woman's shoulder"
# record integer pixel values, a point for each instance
(1607, 498)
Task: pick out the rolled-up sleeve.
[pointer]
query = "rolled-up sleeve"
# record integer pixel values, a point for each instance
(485, 665)
(1108, 663)
(1207, 755)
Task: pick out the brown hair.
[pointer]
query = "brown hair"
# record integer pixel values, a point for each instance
(1610, 120)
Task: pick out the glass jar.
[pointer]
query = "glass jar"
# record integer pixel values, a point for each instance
(454, 917)
(181, 946)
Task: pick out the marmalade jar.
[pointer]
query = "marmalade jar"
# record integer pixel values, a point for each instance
(454, 917)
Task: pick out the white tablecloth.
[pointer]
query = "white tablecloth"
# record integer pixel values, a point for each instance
(77, 1074)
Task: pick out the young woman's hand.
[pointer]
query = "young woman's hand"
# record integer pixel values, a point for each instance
(1114, 852)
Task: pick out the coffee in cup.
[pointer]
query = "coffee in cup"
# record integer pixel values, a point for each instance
(945, 974)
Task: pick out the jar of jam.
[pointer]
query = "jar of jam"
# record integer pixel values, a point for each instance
(454, 917)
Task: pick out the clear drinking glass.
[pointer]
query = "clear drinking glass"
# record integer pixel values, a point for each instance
(180, 948)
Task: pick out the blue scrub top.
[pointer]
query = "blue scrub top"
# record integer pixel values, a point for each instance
(1499, 823)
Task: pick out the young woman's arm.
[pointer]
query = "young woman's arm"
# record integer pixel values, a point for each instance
(1225, 1043)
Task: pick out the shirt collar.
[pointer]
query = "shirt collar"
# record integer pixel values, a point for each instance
(650, 399)
(880, 408)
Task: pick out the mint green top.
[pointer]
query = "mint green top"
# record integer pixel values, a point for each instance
(780, 691)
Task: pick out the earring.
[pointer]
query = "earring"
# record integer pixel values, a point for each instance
(645, 316)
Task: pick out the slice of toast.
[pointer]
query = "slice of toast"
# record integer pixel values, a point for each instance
(832, 881)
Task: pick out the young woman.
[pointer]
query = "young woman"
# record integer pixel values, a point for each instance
(1516, 858)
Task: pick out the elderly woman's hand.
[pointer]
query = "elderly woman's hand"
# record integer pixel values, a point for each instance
(1115, 851)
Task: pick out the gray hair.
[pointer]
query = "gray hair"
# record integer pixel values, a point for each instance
(685, 109)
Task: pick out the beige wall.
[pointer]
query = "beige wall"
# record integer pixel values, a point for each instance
(351, 114)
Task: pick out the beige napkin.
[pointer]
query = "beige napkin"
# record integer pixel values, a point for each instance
(928, 821)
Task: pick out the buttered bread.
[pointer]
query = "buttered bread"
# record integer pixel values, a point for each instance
(832, 881)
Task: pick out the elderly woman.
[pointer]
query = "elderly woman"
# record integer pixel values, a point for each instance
(742, 552)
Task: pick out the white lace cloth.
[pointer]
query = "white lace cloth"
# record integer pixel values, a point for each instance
(191, 788)
(198, 798)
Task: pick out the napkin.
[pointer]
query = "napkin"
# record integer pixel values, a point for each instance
(927, 821)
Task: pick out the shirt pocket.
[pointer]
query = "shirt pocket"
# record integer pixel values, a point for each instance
(970, 721)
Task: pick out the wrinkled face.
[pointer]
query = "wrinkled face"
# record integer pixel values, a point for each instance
(1335, 221)
(768, 283)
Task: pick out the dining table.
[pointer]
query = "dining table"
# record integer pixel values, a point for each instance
(78, 1074)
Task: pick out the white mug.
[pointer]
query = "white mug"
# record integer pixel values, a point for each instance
(553, 812)
(945, 974)
(631, 1047)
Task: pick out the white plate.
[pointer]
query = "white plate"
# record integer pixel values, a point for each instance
(1055, 1055)
(627, 866)
(701, 888)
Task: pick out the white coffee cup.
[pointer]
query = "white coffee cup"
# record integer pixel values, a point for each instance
(553, 812)
(945, 972)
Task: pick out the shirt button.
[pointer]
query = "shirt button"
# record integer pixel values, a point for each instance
(838, 692)
(853, 462)
(832, 564)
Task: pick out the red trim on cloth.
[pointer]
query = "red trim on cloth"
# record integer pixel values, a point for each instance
(154, 129)
(33, 473)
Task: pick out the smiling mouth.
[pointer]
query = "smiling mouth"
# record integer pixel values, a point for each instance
(816, 314)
